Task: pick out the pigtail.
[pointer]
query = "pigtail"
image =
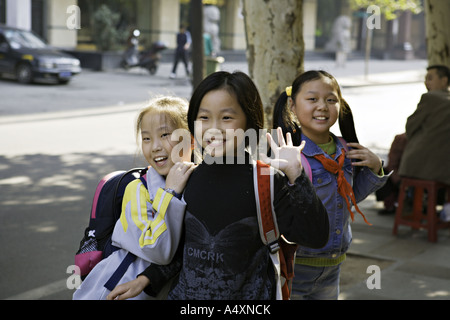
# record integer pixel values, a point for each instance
(284, 118)
(347, 127)
(346, 123)
(279, 110)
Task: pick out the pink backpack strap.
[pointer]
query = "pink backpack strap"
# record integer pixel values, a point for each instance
(306, 166)
(344, 143)
(99, 189)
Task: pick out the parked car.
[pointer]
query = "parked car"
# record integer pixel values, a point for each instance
(27, 57)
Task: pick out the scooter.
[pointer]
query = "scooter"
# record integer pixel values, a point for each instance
(148, 59)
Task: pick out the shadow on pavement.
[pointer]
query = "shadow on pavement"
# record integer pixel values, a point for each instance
(45, 204)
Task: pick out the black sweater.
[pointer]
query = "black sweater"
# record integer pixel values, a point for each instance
(222, 255)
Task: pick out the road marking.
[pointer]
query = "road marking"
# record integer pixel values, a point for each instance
(41, 292)
(70, 114)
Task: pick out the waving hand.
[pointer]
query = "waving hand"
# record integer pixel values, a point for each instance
(287, 157)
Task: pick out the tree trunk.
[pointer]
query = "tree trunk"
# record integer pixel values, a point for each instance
(275, 47)
(438, 31)
(197, 42)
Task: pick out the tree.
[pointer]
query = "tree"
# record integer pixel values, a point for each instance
(275, 47)
(438, 31)
(388, 8)
(197, 41)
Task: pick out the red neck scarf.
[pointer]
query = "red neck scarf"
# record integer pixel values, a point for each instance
(344, 188)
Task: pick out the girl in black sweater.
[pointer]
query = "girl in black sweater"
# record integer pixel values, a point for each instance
(222, 255)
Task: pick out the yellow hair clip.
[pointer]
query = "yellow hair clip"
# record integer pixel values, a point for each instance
(288, 91)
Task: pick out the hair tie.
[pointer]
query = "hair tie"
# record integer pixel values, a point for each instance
(288, 91)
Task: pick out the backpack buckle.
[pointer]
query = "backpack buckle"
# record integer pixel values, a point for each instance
(272, 241)
(274, 246)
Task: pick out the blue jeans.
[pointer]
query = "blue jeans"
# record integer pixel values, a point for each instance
(316, 283)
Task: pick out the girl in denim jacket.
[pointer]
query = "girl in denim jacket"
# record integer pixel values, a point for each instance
(343, 174)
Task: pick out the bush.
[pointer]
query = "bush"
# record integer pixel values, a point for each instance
(106, 36)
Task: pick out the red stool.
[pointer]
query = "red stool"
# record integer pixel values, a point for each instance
(416, 219)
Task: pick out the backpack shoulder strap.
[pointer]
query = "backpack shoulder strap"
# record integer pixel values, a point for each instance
(263, 180)
(306, 166)
(138, 173)
(99, 188)
(344, 143)
(144, 182)
(268, 228)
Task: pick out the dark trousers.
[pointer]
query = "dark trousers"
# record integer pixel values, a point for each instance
(183, 56)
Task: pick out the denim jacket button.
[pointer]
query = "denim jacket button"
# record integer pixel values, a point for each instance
(338, 231)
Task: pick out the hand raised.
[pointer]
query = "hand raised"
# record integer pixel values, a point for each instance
(287, 157)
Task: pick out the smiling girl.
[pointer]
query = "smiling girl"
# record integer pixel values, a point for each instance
(150, 225)
(343, 172)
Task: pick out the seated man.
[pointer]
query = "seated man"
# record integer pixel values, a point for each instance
(426, 155)
(421, 152)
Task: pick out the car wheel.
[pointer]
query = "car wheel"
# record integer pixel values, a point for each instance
(24, 73)
(152, 69)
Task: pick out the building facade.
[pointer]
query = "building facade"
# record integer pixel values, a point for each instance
(54, 20)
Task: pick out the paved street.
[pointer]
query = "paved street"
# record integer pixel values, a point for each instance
(58, 141)
(380, 103)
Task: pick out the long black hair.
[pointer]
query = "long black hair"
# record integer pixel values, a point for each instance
(283, 117)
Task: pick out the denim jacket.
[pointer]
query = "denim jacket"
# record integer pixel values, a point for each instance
(363, 183)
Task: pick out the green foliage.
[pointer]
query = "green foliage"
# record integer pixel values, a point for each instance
(105, 33)
(388, 8)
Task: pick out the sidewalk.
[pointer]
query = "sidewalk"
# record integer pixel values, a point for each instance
(411, 267)
(353, 73)
(380, 72)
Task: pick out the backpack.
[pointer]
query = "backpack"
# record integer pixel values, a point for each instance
(106, 209)
(282, 252)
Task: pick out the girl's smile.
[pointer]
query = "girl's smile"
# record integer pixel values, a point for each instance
(160, 161)
(216, 143)
(214, 138)
(321, 118)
